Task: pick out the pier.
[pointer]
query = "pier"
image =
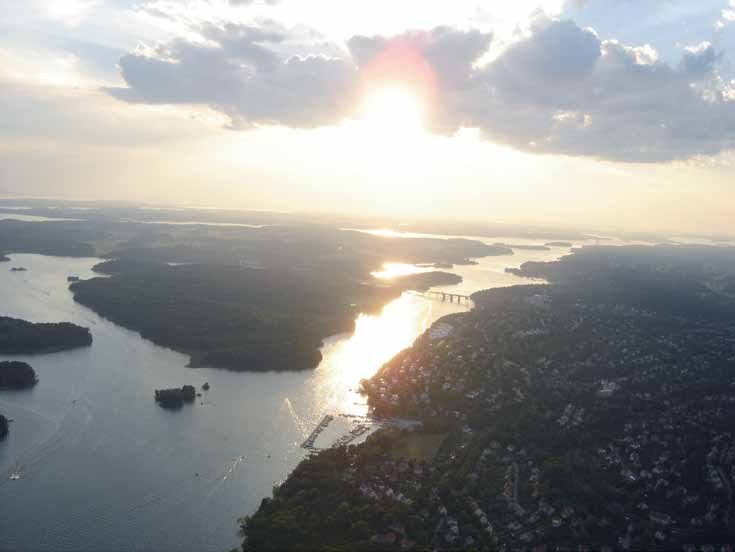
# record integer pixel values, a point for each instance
(311, 439)
(360, 430)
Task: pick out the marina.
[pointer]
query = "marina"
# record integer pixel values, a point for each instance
(311, 439)
(358, 431)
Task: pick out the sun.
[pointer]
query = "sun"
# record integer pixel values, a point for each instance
(392, 109)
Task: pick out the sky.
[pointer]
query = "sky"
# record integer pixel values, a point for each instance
(617, 114)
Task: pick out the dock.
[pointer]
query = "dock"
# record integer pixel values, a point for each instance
(360, 430)
(311, 439)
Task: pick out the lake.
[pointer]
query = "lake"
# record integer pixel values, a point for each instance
(103, 467)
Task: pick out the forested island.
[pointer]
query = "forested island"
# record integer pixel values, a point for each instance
(17, 375)
(175, 398)
(19, 337)
(592, 413)
(3, 427)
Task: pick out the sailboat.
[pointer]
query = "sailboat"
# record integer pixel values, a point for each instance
(16, 474)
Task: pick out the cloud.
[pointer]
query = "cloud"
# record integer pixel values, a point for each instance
(248, 2)
(75, 117)
(241, 72)
(700, 60)
(558, 89)
(728, 15)
(562, 90)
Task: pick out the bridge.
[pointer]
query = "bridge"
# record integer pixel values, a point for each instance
(443, 296)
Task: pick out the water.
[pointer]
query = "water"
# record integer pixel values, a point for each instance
(33, 218)
(198, 223)
(103, 467)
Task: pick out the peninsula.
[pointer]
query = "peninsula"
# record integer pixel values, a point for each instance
(240, 318)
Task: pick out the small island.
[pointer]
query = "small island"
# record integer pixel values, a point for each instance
(3, 427)
(560, 244)
(17, 375)
(175, 398)
(18, 269)
(19, 337)
(4, 259)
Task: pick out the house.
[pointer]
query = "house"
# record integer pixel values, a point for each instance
(660, 518)
(386, 539)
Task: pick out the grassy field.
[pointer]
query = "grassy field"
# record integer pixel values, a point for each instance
(419, 446)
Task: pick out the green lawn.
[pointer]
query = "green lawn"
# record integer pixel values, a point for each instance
(419, 446)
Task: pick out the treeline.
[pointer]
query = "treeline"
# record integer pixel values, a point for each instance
(16, 375)
(19, 337)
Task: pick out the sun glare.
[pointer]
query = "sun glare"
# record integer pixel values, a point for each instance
(393, 109)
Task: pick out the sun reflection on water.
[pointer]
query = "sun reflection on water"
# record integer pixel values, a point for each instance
(395, 270)
(375, 341)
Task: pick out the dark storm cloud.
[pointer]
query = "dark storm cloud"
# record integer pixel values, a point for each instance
(559, 89)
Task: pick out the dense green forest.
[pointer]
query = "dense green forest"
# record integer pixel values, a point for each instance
(18, 337)
(16, 375)
(175, 398)
(236, 317)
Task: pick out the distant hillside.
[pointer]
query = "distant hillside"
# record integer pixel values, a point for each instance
(63, 239)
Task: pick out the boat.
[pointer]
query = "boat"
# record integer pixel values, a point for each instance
(15, 476)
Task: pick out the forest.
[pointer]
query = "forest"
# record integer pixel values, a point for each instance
(19, 337)
(16, 375)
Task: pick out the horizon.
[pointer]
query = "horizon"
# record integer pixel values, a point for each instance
(544, 112)
(456, 226)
